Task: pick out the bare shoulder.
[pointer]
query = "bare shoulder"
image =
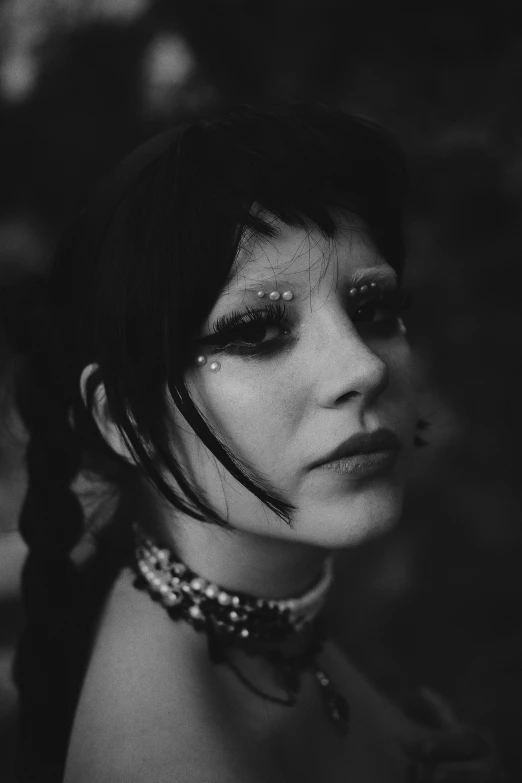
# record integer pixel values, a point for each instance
(140, 718)
(153, 707)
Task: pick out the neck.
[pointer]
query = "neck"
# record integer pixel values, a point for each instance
(257, 624)
(244, 561)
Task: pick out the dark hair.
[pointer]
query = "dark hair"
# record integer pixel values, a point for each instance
(131, 284)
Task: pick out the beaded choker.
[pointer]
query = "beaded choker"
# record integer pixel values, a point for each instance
(252, 624)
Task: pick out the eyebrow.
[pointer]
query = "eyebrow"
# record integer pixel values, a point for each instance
(380, 274)
(377, 274)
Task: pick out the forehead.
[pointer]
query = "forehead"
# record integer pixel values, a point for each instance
(307, 261)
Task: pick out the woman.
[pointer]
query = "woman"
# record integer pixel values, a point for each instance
(220, 343)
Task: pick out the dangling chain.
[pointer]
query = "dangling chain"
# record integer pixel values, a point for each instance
(246, 622)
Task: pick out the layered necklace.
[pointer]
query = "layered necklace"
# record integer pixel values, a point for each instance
(241, 621)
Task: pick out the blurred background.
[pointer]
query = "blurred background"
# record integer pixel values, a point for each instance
(438, 600)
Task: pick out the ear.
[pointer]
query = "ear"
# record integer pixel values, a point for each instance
(101, 414)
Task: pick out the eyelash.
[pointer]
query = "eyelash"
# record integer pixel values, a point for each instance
(274, 315)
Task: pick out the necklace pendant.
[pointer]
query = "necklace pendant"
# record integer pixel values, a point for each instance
(338, 712)
(337, 707)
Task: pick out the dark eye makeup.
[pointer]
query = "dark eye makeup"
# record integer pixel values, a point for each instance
(383, 308)
(243, 333)
(263, 331)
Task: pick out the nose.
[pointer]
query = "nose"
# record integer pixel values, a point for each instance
(347, 367)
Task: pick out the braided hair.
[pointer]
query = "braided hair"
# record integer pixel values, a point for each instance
(134, 279)
(60, 602)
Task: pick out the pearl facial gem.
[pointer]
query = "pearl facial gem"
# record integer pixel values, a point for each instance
(261, 294)
(201, 361)
(214, 366)
(353, 291)
(274, 296)
(287, 295)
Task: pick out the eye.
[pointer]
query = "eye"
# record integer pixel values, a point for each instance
(383, 308)
(251, 332)
(369, 312)
(255, 332)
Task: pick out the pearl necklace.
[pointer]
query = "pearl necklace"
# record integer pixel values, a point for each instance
(243, 621)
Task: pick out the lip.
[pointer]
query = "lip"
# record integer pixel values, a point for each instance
(380, 440)
(361, 466)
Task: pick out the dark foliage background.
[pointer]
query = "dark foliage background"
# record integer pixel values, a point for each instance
(439, 599)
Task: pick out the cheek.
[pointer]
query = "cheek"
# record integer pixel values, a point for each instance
(403, 385)
(254, 412)
(401, 366)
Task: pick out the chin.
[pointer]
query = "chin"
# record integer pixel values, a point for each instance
(349, 521)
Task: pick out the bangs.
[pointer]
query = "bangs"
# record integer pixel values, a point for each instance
(304, 166)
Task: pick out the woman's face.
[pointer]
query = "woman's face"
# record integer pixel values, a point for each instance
(296, 380)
